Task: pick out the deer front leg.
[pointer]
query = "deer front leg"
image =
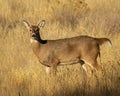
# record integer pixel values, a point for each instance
(51, 70)
(48, 70)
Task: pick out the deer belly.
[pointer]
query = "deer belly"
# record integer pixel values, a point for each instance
(70, 62)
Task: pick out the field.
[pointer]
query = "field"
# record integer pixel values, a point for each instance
(21, 74)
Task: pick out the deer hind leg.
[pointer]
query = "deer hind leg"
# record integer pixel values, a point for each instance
(83, 65)
(85, 69)
(89, 67)
(94, 66)
(99, 69)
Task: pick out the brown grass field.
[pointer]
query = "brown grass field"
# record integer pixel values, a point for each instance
(21, 74)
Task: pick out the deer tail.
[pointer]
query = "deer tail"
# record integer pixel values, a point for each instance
(102, 41)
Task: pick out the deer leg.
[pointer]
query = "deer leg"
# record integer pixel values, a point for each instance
(99, 69)
(48, 70)
(94, 66)
(85, 69)
(89, 72)
(83, 65)
(91, 63)
(53, 70)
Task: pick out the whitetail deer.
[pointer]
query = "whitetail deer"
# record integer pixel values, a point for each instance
(53, 53)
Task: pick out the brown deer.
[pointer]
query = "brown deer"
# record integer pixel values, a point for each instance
(53, 53)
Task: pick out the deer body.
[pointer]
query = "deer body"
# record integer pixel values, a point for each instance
(57, 51)
(53, 53)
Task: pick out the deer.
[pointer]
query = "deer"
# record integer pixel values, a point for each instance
(68, 51)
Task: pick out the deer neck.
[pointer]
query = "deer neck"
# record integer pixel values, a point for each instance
(37, 43)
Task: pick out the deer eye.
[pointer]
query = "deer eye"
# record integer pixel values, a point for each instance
(37, 30)
(30, 30)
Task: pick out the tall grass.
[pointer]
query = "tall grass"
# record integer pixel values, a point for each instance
(21, 74)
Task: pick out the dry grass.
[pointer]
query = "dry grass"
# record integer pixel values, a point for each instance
(20, 72)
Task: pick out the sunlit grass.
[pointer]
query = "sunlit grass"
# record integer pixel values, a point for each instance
(21, 74)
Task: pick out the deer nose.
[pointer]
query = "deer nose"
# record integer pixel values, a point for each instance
(33, 35)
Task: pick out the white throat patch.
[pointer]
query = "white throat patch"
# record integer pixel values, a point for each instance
(33, 40)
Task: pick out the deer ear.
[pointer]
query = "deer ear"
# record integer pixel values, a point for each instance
(41, 23)
(27, 25)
